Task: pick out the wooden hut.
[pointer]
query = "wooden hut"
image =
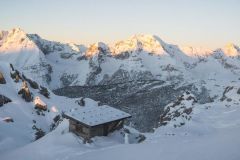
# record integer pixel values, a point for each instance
(88, 122)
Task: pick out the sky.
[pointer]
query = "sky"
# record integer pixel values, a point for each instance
(198, 23)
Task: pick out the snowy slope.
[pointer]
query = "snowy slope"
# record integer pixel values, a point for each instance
(25, 116)
(212, 133)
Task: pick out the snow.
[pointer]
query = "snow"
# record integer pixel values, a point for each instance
(146, 42)
(93, 116)
(211, 133)
(188, 148)
(231, 50)
(196, 52)
(5, 118)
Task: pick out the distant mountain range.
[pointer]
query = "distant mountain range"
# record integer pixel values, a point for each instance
(134, 74)
(58, 65)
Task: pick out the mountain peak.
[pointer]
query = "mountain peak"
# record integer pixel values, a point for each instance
(16, 34)
(231, 50)
(96, 48)
(17, 30)
(145, 42)
(19, 49)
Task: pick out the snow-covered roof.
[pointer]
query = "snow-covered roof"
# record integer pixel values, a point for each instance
(92, 116)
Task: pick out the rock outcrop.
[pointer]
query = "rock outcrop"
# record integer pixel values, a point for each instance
(32, 83)
(44, 91)
(179, 111)
(4, 100)
(8, 119)
(2, 79)
(39, 104)
(15, 75)
(25, 92)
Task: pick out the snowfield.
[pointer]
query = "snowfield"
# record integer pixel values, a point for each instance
(201, 122)
(214, 137)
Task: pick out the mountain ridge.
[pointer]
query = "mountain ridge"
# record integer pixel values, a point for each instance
(151, 44)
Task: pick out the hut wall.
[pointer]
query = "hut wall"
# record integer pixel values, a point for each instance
(105, 129)
(115, 125)
(99, 130)
(79, 129)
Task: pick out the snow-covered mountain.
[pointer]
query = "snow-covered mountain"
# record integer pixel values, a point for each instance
(18, 49)
(64, 65)
(143, 68)
(179, 93)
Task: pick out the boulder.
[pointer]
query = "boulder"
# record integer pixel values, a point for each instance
(16, 76)
(8, 119)
(227, 89)
(44, 91)
(25, 92)
(39, 104)
(11, 66)
(80, 102)
(4, 100)
(2, 79)
(188, 110)
(32, 83)
(238, 91)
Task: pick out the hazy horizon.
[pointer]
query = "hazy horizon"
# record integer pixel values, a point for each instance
(210, 24)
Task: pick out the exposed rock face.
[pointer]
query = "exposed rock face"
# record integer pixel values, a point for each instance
(4, 100)
(67, 79)
(39, 132)
(25, 92)
(15, 75)
(44, 91)
(123, 76)
(180, 109)
(202, 95)
(2, 79)
(227, 89)
(32, 83)
(123, 55)
(94, 65)
(238, 91)
(56, 121)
